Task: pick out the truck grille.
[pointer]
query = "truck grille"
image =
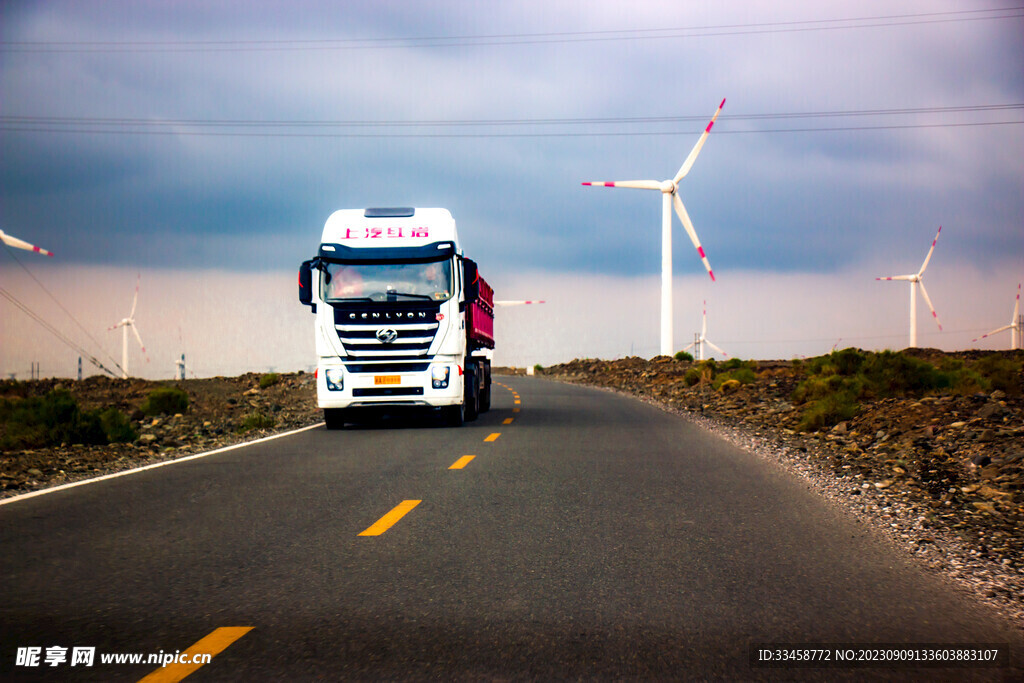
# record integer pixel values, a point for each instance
(363, 336)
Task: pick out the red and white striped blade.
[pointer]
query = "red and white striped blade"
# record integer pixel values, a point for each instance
(688, 224)
(516, 303)
(633, 184)
(1016, 307)
(924, 292)
(704, 321)
(685, 168)
(989, 334)
(929, 256)
(136, 299)
(712, 345)
(12, 241)
(139, 339)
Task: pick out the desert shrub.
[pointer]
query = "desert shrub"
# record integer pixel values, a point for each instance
(269, 380)
(740, 375)
(538, 369)
(692, 377)
(256, 420)
(117, 427)
(828, 411)
(48, 420)
(728, 386)
(1000, 373)
(894, 374)
(684, 356)
(165, 401)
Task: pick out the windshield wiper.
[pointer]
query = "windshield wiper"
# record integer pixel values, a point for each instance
(414, 296)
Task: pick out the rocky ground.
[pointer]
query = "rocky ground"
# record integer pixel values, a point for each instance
(942, 475)
(222, 411)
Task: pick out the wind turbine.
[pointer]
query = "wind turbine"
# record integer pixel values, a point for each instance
(670, 198)
(703, 338)
(22, 244)
(124, 325)
(914, 281)
(1015, 325)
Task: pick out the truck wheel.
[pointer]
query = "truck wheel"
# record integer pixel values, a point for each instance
(334, 418)
(454, 416)
(485, 393)
(472, 397)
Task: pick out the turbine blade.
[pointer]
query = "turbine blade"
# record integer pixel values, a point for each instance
(704, 321)
(929, 256)
(989, 334)
(685, 218)
(907, 278)
(712, 345)
(924, 292)
(690, 345)
(21, 244)
(1016, 307)
(685, 168)
(136, 299)
(139, 339)
(633, 184)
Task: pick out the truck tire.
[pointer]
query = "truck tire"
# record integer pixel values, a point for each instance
(472, 395)
(334, 418)
(485, 392)
(454, 416)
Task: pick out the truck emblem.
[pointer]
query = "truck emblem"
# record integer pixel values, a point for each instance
(386, 335)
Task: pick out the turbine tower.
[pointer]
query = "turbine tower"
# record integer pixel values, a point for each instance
(914, 281)
(22, 244)
(124, 325)
(703, 338)
(1016, 326)
(670, 198)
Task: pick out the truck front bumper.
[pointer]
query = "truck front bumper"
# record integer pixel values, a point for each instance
(441, 384)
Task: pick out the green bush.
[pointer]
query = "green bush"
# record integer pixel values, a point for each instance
(828, 411)
(692, 377)
(269, 380)
(165, 401)
(684, 356)
(117, 427)
(49, 420)
(1000, 373)
(256, 420)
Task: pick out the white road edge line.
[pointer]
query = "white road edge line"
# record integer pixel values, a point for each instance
(136, 470)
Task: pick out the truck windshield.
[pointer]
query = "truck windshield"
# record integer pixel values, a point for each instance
(387, 281)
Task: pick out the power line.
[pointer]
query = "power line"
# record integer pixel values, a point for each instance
(59, 304)
(54, 331)
(512, 38)
(329, 128)
(302, 123)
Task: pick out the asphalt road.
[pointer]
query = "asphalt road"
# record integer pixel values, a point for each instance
(595, 537)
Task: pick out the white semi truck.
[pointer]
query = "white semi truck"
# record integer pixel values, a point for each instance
(403, 319)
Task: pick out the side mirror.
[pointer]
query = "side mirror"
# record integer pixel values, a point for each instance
(471, 280)
(306, 284)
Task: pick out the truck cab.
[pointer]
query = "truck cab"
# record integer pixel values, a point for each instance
(403, 319)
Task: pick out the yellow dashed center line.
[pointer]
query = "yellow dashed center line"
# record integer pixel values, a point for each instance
(461, 462)
(508, 421)
(389, 520)
(212, 645)
(493, 437)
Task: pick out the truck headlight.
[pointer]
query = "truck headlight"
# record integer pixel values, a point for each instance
(439, 375)
(335, 378)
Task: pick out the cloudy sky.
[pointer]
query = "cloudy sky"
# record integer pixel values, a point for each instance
(198, 148)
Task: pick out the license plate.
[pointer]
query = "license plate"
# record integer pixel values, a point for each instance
(387, 379)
